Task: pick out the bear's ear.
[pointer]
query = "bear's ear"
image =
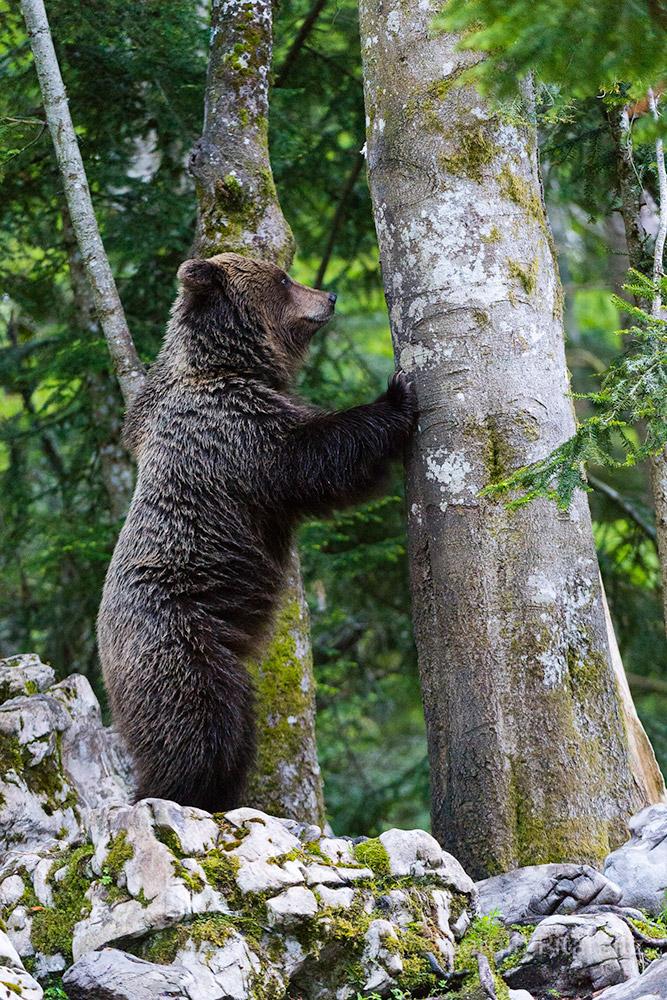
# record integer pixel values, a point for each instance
(198, 275)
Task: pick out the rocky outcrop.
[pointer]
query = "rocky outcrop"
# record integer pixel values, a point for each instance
(576, 956)
(527, 895)
(640, 866)
(651, 985)
(14, 980)
(112, 901)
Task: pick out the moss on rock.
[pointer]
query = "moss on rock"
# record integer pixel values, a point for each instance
(372, 854)
(53, 926)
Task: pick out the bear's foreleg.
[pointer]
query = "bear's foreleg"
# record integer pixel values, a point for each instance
(339, 458)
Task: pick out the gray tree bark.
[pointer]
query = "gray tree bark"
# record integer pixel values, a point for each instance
(128, 367)
(530, 755)
(239, 211)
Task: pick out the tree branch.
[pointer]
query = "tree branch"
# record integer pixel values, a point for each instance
(129, 369)
(624, 505)
(339, 215)
(299, 41)
(659, 249)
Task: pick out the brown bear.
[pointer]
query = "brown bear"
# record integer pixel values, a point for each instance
(229, 461)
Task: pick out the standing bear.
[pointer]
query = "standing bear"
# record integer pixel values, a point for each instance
(229, 462)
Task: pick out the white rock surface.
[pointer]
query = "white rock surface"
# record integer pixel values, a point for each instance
(576, 955)
(640, 865)
(61, 761)
(417, 853)
(119, 976)
(14, 980)
(24, 674)
(651, 985)
(288, 908)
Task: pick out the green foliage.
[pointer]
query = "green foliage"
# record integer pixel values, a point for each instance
(582, 47)
(633, 391)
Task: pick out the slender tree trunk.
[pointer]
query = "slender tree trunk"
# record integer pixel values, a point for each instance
(239, 211)
(128, 367)
(529, 751)
(631, 198)
(115, 464)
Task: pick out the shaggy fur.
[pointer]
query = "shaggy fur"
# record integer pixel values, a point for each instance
(228, 463)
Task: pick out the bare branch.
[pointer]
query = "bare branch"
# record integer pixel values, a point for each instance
(623, 504)
(299, 41)
(128, 367)
(659, 249)
(339, 215)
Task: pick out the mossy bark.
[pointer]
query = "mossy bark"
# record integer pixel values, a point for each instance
(531, 759)
(239, 211)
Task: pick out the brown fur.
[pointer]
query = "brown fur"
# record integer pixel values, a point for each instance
(228, 463)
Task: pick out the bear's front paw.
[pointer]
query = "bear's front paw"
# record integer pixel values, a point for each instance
(401, 395)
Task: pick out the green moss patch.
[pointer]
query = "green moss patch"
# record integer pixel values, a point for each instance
(474, 150)
(525, 274)
(52, 927)
(372, 854)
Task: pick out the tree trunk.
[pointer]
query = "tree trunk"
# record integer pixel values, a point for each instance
(631, 201)
(239, 211)
(530, 757)
(115, 464)
(128, 367)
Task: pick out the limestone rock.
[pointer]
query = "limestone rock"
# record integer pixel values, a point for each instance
(58, 761)
(231, 970)
(651, 985)
(576, 955)
(114, 975)
(24, 674)
(290, 907)
(381, 960)
(527, 895)
(640, 865)
(143, 848)
(417, 853)
(232, 906)
(14, 980)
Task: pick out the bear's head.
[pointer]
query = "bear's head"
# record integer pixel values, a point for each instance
(246, 316)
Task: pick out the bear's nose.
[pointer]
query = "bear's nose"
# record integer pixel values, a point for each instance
(332, 297)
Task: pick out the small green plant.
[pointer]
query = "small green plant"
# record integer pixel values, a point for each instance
(55, 991)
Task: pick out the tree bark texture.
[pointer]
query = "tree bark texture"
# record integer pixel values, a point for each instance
(128, 367)
(238, 205)
(239, 211)
(529, 750)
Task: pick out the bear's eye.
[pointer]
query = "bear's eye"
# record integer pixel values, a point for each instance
(285, 281)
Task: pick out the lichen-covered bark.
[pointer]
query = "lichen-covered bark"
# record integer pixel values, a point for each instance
(238, 205)
(239, 211)
(530, 757)
(287, 778)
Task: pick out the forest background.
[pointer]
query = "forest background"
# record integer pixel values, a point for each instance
(135, 74)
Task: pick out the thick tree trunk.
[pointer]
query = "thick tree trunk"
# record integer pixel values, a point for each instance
(128, 367)
(239, 211)
(530, 757)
